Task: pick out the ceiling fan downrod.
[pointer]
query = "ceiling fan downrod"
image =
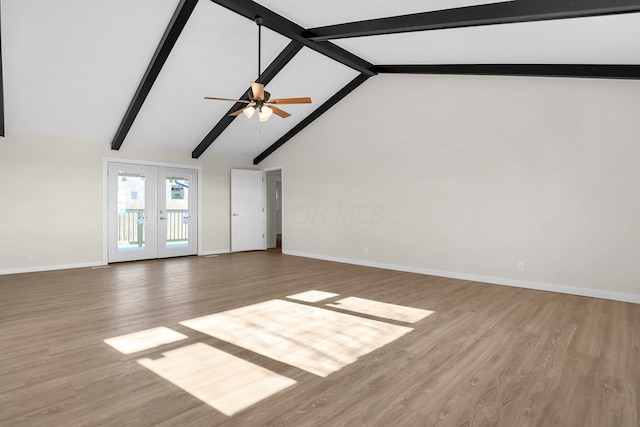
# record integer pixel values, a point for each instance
(259, 99)
(259, 21)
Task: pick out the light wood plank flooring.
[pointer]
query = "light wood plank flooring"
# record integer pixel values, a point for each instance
(488, 355)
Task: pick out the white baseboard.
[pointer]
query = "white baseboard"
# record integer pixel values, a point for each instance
(585, 292)
(216, 252)
(39, 268)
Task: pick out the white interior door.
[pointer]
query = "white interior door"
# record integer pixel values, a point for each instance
(247, 210)
(152, 212)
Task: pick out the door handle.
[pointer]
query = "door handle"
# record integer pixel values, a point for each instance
(235, 214)
(162, 217)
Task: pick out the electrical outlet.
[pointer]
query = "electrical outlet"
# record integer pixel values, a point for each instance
(521, 266)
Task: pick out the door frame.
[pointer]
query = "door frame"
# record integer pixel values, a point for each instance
(281, 169)
(165, 251)
(150, 247)
(105, 191)
(262, 215)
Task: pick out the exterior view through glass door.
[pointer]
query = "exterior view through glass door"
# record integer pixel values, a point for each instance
(177, 215)
(152, 212)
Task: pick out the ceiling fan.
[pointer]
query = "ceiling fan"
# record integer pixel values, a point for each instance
(259, 99)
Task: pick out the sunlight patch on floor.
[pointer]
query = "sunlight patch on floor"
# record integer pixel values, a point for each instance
(144, 340)
(312, 338)
(312, 296)
(381, 309)
(316, 340)
(221, 380)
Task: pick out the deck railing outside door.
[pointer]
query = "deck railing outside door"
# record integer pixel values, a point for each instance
(131, 226)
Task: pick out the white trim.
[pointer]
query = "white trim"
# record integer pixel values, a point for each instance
(41, 268)
(550, 287)
(105, 211)
(199, 210)
(105, 189)
(272, 168)
(216, 252)
(50, 268)
(148, 163)
(264, 210)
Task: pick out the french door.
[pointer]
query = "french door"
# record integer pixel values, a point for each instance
(152, 212)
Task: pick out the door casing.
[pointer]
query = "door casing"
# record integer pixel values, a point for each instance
(248, 210)
(105, 204)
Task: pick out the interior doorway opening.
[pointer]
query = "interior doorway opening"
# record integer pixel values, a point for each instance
(274, 210)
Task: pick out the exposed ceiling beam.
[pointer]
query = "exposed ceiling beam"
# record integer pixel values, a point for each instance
(171, 34)
(540, 70)
(271, 71)
(1, 89)
(350, 87)
(487, 14)
(250, 10)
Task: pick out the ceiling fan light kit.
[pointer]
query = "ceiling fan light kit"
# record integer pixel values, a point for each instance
(264, 113)
(249, 111)
(260, 100)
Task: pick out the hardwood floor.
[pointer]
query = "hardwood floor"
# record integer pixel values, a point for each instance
(487, 355)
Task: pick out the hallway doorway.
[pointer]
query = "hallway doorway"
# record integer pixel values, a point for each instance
(274, 210)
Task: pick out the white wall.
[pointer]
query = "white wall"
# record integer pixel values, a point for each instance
(51, 203)
(467, 176)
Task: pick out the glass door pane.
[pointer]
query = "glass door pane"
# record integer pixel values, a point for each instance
(152, 212)
(131, 211)
(177, 211)
(131, 203)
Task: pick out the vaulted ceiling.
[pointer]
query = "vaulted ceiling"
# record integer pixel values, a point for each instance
(135, 72)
